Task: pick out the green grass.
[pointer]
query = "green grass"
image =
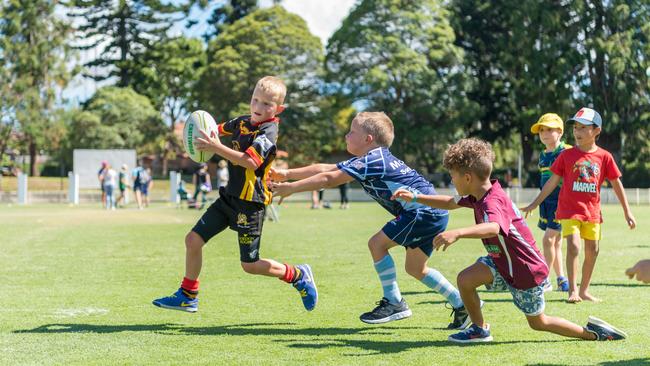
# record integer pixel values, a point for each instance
(77, 285)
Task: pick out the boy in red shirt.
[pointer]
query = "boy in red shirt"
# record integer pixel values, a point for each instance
(512, 257)
(583, 169)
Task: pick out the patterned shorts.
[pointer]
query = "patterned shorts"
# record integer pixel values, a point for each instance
(529, 301)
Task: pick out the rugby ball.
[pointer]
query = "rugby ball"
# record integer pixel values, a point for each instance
(198, 121)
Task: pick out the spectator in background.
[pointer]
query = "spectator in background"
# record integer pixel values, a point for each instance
(109, 182)
(136, 175)
(202, 185)
(100, 177)
(343, 190)
(222, 174)
(123, 183)
(147, 183)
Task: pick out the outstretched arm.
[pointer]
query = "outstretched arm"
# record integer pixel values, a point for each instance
(478, 231)
(617, 186)
(436, 201)
(282, 175)
(548, 188)
(322, 180)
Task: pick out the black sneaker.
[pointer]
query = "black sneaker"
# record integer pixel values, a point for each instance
(603, 330)
(386, 312)
(461, 318)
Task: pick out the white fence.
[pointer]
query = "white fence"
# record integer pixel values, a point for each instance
(635, 196)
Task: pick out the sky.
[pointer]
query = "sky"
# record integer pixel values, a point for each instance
(323, 19)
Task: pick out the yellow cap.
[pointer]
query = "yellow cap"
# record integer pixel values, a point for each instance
(550, 120)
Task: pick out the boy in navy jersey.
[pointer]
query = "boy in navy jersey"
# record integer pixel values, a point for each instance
(512, 256)
(414, 226)
(242, 203)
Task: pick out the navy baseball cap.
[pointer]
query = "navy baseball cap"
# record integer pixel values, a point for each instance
(587, 116)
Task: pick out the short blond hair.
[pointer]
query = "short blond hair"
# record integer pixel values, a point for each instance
(273, 86)
(470, 155)
(378, 125)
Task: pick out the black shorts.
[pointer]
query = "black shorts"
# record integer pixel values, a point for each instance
(244, 217)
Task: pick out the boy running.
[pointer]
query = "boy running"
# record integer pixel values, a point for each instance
(512, 256)
(414, 226)
(242, 203)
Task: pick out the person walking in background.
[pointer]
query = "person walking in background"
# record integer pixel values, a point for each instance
(343, 190)
(222, 174)
(100, 177)
(123, 183)
(109, 182)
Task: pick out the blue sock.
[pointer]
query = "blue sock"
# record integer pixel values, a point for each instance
(437, 282)
(386, 270)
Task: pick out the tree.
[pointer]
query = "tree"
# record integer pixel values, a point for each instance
(268, 41)
(33, 46)
(228, 13)
(117, 118)
(123, 30)
(614, 45)
(398, 56)
(167, 73)
(524, 62)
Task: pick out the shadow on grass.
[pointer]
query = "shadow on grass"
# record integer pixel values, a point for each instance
(262, 329)
(619, 285)
(384, 347)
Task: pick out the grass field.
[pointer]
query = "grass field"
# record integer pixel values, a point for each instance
(77, 286)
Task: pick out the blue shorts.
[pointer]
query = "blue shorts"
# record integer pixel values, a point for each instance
(416, 229)
(547, 218)
(529, 301)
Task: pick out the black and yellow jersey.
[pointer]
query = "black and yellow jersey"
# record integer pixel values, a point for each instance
(258, 141)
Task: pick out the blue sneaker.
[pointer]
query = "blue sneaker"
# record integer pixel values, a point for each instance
(178, 301)
(472, 334)
(306, 286)
(562, 284)
(603, 330)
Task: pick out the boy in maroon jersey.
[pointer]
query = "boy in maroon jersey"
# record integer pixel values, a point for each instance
(512, 257)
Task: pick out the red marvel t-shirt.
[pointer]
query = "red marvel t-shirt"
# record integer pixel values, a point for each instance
(583, 173)
(513, 251)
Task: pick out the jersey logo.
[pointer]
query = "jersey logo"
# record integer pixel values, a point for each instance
(235, 146)
(358, 164)
(242, 220)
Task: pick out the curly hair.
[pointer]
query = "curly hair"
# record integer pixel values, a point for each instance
(378, 125)
(470, 155)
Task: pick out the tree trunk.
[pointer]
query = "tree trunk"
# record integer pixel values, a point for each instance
(33, 164)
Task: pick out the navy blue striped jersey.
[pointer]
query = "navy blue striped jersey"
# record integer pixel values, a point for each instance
(546, 159)
(381, 174)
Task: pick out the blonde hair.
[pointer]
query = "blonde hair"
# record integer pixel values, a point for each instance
(470, 155)
(378, 125)
(273, 86)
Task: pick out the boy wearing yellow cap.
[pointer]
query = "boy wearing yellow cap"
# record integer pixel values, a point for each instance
(550, 128)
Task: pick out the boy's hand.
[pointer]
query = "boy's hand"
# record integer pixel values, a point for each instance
(207, 143)
(445, 239)
(641, 270)
(631, 221)
(402, 194)
(281, 189)
(527, 210)
(279, 175)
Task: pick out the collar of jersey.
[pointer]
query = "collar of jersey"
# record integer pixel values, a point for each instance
(272, 119)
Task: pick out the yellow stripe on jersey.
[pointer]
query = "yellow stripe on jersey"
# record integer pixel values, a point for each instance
(267, 193)
(248, 188)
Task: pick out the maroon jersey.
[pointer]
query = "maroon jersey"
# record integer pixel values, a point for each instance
(513, 251)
